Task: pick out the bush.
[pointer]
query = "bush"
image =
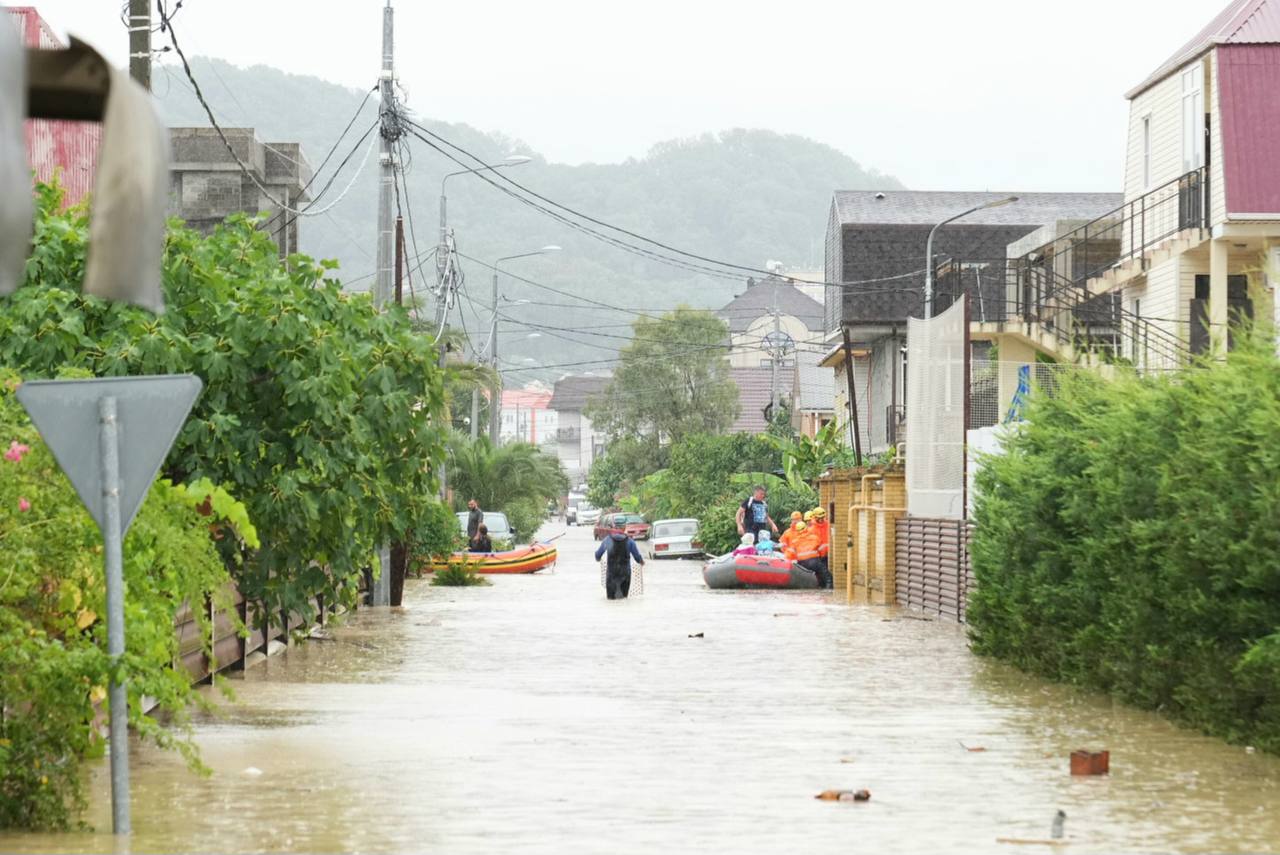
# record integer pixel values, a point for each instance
(53, 662)
(459, 574)
(436, 533)
(526, 517)
(1127, 541)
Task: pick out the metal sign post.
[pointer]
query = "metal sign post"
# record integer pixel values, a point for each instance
(135, 420)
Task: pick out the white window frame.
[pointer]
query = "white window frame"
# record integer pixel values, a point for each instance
(1192, 103)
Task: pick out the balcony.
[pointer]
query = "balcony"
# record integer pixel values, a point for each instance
(568, 434)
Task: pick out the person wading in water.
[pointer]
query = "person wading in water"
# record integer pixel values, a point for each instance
(621, 550)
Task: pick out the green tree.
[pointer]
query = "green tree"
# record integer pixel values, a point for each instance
(626, 462)
(325, 414)
(672, 380)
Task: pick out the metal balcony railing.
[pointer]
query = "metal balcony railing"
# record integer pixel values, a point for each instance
(1130, 231)
(568, 434)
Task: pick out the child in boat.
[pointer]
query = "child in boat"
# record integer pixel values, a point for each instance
(766, 546)
(748, 545)
(481, 543)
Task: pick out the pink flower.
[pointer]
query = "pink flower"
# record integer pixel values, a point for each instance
(16, 450)
(23, 504)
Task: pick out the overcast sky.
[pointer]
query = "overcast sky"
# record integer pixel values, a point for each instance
(983, 95)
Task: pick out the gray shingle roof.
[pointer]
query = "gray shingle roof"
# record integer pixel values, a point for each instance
(754, 388)
(923, 207)
(571, 393)
(757, 301)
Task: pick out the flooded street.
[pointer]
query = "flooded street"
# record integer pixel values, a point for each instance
(537, 716)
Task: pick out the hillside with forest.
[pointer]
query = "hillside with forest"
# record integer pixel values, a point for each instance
(743, 196)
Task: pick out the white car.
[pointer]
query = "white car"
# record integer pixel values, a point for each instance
(674, 539)
(587, 515)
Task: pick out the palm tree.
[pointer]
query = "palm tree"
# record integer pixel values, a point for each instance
(499, 476)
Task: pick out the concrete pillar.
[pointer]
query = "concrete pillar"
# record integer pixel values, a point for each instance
(1013, 354)
(1218, 296)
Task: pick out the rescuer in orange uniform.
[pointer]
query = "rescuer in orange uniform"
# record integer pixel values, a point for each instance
(807, 550)
(784, 542)
(822, 528)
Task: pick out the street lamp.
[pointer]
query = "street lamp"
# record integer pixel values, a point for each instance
(928, 248)
(442, 250)
(495, 391)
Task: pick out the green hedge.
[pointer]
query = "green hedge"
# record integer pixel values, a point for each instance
(1129, 540)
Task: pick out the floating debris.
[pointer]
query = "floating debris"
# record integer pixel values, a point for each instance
(696, 635)
(1058, 819)
(1090, 762)
(844, 795)
(974, 749)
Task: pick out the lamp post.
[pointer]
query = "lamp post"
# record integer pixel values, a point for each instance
(496, 391)
(928, 248)
(442, 248)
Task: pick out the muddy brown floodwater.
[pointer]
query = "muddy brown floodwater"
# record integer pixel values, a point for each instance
(537, 716)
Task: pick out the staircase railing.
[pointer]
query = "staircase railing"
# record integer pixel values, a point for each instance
(1129, 231)
(1090, 323)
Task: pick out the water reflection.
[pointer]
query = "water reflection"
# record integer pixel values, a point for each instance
(536, 715)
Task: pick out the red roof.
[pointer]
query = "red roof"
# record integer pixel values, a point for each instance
(69, 149)
(525, 399)
(1243, 22)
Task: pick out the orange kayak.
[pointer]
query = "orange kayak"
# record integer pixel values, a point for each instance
(524, 559)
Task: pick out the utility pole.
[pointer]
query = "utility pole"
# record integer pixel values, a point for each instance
(380, 593)
(495, 394)
(389, 132)
(775, 350)
(140, 42)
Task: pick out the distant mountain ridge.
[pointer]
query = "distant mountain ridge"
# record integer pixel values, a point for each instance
(741, 196)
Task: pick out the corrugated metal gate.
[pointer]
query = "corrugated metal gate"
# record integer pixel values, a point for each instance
(933, 565)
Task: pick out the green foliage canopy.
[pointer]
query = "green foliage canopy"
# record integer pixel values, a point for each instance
(324, 414)
(672, 380)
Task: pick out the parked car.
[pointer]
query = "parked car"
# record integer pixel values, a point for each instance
(633, 525)
(587, 515)
(495, 521)
(675, 539)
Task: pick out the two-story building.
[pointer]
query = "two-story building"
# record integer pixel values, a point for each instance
(577, 444)
(1191, 246)
(876, 254)
(526, 416)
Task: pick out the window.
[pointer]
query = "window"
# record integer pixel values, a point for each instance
(1193, 118)
(1146, 152)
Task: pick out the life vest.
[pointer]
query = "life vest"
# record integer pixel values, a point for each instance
(822, 529)
(785, 542)
(806, 545)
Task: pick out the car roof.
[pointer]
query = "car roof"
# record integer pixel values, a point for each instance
(676, 520)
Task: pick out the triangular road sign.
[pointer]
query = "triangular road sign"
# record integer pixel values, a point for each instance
(149, 413)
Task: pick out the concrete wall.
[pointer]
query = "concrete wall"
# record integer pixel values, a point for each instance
(207, 185)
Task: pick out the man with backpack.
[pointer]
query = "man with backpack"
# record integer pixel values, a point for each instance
(621, 550)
